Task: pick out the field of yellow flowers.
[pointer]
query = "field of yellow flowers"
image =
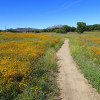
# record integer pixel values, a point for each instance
(85, 50)
(28, 63)
(94, 45)
(25, 65)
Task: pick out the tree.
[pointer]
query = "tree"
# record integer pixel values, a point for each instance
(44, 30)
(81, 26)
(60, 31)
(72, 29)
(96, 26)
(66, 28)
(89, 28)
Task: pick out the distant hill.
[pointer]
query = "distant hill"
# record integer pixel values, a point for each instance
(22, 29)
(55, 26)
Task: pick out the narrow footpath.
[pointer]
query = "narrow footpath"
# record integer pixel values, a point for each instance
(73, 85)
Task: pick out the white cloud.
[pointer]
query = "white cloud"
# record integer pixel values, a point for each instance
(66, 5)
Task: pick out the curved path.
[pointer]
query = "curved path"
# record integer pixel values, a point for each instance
(72, 83)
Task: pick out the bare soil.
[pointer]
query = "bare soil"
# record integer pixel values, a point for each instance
(73, 85)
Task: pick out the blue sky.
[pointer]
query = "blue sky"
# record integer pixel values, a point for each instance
(45, 13)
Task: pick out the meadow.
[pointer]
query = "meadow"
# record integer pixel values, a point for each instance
(27, 65)
(85, 49)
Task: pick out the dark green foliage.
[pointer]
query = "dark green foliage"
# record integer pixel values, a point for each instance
(93, 27)
(96, 26)
(63, 29)
(81, 27)
(49, 30)
(0, 30)
(89, 28)
(60, 31)
(13, 31)
(36, 31)
(66, 28)
(72, 29)
(44, 30)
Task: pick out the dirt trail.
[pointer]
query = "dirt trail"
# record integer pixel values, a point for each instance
(72, 83)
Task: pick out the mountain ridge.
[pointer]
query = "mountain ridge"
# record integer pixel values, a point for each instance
(55, 26)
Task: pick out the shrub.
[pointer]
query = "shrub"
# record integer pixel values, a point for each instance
(81, 26)
(60, 31)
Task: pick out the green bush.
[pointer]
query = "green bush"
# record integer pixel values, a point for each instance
(81, 26)
(60, 31)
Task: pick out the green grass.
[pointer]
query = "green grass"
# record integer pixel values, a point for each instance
(94, 33)
(90, 66)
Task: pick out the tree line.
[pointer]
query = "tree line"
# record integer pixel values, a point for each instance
(81, 27)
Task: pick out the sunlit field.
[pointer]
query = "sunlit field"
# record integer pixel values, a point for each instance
(28, 63)
(26, 60)
(85, 49)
